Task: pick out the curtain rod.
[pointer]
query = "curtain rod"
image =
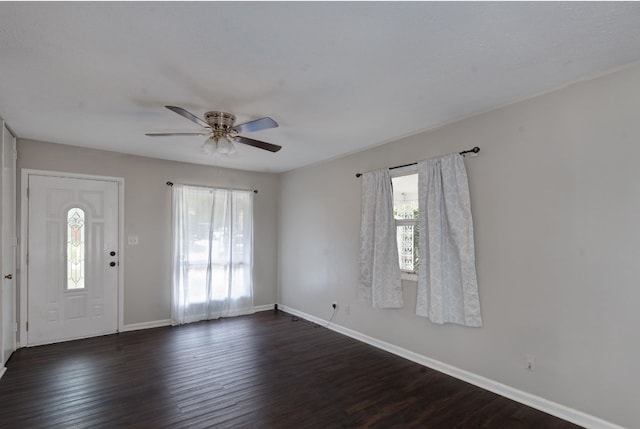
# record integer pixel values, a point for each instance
(474, 150)
(255, 191)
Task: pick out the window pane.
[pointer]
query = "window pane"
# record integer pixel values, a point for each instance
(75, 249)
(405, 197)
(408, 250)
(405, 210)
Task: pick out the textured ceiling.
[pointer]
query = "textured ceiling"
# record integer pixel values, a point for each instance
(338, 76)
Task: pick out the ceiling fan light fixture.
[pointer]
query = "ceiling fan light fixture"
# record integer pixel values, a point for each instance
(225, 146)
(216, 145)
(209, 146)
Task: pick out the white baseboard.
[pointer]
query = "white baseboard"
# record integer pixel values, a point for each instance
(146, 325)
(167, 322)
(574, 416)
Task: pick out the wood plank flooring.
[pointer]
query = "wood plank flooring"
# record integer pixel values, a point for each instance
(267, 370)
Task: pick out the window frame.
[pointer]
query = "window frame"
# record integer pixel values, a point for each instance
(407, 170)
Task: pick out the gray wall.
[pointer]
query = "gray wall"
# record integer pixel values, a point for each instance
(557, 219)
(148, 215)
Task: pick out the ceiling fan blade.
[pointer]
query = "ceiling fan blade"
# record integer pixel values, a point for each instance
(176, 134)
(258, 124)
(259, 144)
(190, 116)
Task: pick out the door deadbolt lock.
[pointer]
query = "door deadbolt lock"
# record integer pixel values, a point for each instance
(112, 264)
(112, 253)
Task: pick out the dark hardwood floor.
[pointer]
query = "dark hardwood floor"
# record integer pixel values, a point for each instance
(268, 370)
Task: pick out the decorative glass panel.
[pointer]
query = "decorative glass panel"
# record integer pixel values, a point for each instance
(408, 247)
(75, 249)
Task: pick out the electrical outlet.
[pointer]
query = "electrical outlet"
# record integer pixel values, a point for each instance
(530, 362)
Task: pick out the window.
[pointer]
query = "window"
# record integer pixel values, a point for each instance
(219, 243)
(75, 249)
(213, 241)
(405, 211)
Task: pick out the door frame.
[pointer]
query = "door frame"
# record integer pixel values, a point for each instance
(23, 241)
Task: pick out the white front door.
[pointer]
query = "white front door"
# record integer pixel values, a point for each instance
(72, 258)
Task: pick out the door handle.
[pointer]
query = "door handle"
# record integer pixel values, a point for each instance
(112, 264)
(8, 276)
(112, 253)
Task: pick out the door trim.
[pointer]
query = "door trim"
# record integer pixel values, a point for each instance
(23, 240)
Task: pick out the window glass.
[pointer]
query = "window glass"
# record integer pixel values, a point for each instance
(75, 248)
(405, 211)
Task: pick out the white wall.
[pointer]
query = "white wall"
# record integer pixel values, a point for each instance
(148, 215)
(556, 212)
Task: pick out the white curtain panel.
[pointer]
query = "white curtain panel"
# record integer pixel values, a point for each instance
(447, 283)
(379, 267)
(212, 253)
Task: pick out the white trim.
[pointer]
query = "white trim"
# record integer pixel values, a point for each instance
(167, 322)
(2, 371)
(146, 325)
(405, 275)
(121, 255)
(407, 170)
(23, 240)
(574, 416)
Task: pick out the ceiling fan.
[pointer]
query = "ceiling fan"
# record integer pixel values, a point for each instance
(222, 132)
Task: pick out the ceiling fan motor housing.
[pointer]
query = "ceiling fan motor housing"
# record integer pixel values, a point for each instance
(220, 121)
